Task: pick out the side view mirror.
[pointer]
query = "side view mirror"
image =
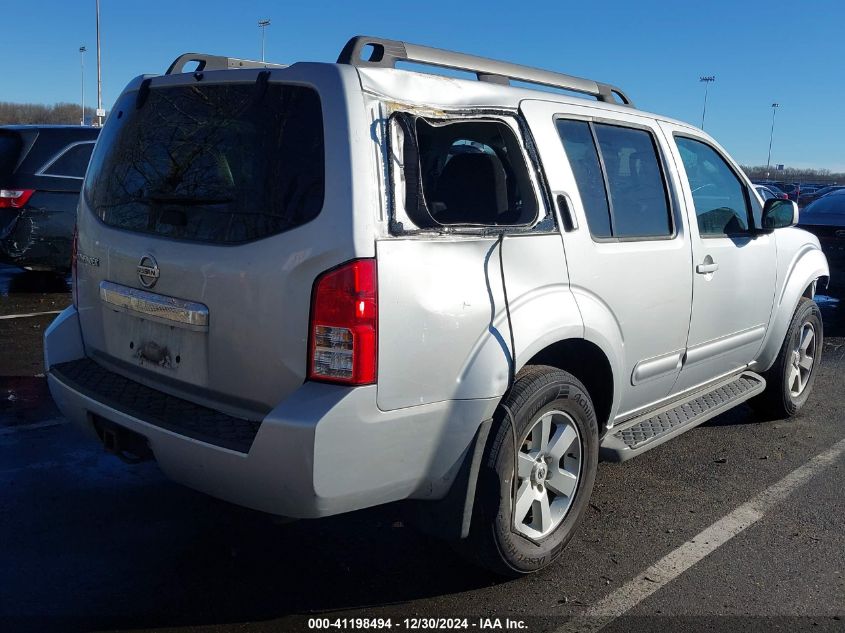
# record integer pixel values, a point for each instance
(779, 214)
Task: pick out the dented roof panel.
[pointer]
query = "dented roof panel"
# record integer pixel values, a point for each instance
(447, 93)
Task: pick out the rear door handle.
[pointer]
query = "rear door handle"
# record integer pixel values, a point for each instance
(567, 213)
(704, 269)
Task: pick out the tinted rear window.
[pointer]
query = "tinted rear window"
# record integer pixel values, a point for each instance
(223, 163)
(619, 178)
(586, 167)
(638, 196)
(10, 147)
(72, 163)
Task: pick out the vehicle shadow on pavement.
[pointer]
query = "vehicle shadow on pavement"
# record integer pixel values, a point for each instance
(37, 282)
(137, 551)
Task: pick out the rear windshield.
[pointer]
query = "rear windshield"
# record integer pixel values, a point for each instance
(10, 147)
(222, 163)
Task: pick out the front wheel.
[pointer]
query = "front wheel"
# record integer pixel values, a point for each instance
(790, 380)
(537, 474)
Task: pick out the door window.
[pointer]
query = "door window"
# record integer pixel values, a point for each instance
(620, 179)
(584, 160)
(720, 198)
(638, 197)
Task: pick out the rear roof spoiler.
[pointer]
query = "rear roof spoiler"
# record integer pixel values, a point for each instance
(215, 62)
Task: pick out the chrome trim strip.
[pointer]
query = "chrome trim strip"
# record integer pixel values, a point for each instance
(154, 305)
(657, 366)
(709, 349)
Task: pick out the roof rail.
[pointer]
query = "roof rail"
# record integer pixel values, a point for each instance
(386, 53)
(215, 62)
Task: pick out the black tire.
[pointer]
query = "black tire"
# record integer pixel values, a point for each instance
(777, 401)
(492, 542)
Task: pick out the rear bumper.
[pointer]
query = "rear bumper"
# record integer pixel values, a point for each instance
(324, 450)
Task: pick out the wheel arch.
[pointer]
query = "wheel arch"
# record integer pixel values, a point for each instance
(806, 270)
(586, 361)
(813, 286)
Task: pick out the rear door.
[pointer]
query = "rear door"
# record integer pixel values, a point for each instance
(205, 219)
(627, 247)
(734, 266)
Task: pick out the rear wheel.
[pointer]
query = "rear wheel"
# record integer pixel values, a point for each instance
(537, 475)
(790, 380)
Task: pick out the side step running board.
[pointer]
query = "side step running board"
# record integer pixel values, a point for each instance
(651, 429)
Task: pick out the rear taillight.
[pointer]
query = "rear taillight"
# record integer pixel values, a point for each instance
(344, 320)
(14, 198)
(73, 248)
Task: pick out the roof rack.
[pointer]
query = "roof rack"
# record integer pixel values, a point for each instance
(386, 53)
(215, 62)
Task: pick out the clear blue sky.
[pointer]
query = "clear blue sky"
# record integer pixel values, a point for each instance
(655, 51)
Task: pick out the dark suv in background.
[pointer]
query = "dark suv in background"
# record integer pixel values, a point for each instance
(41, 172)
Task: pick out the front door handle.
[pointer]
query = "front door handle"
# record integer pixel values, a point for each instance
(705, 269)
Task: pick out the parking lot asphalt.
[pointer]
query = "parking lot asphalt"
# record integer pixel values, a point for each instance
(88, 543)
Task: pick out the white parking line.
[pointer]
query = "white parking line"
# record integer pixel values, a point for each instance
(35, 425)
(30, 314)
(678, 561)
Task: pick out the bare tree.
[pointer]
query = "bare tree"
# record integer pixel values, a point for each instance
(38, 113)
(794, 174)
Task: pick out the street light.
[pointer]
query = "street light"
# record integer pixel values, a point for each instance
(775, 107)
(707, 81)
(100, 111)
(263, 24)
(82, 50)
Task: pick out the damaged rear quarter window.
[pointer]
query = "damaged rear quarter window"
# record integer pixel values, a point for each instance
(465, 173)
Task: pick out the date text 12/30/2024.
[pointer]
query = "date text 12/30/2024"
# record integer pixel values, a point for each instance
(417, 624)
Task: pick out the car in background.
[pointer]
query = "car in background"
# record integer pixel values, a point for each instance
(41, 172)
(807, 197)
(791, 190)
(776, 188)
(825, 218)
(768, 192)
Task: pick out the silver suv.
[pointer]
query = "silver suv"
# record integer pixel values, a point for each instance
(317, 288)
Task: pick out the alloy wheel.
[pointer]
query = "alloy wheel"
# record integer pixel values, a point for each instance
(548, 470)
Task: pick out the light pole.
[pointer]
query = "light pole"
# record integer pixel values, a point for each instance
(263, 24)
(99, 75)
(709, 79)
(82, 50)
(775, 107)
